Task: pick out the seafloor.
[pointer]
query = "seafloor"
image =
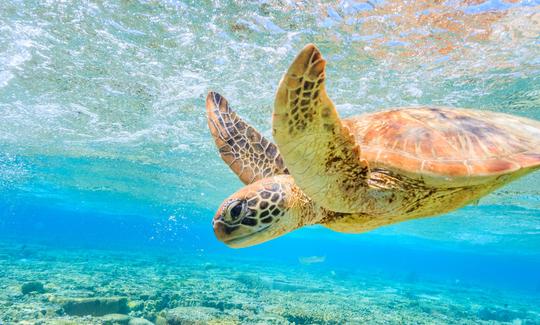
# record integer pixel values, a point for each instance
(44, 285)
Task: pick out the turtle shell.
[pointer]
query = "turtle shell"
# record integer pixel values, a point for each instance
(441, 144)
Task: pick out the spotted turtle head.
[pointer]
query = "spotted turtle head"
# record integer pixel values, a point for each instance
(257, 213)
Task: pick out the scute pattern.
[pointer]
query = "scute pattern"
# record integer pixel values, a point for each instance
(320, 153)
(448, 142)
(262, 210)
(303, 90)
(251, 156)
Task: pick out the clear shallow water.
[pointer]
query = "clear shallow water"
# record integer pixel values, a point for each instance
(104, 143)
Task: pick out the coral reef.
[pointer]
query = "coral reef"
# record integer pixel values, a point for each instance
(61, 287)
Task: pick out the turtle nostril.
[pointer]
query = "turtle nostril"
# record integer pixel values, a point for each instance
(217, 218)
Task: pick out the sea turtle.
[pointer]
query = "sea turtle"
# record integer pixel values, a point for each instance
(356, 174)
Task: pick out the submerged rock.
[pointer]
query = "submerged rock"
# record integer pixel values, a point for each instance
(254, 281)
(136, 305)
(139, 321)
(191, 315)
(498, 314)
(59, 322)
(115, 319)
(160, 321)
(95, 306)
(33, 286)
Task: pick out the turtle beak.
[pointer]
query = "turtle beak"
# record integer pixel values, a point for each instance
(224, 231)
(221, 229)
(234, 236)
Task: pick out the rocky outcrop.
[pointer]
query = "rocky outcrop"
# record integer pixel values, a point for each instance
(32, 287)
(95, 306)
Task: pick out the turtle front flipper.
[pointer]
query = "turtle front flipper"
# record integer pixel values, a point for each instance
(319, 151)
(250, 155)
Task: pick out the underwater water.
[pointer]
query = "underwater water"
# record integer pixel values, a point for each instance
(109, 177)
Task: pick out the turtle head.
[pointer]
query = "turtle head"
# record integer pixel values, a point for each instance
(261, 211)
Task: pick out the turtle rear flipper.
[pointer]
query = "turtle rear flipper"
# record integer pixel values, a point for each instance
(249, 155)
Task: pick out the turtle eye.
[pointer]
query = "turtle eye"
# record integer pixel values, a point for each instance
(235, 210)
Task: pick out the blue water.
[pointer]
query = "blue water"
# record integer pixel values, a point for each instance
(109, 177)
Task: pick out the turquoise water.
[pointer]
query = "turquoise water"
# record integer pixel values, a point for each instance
(109, 177)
